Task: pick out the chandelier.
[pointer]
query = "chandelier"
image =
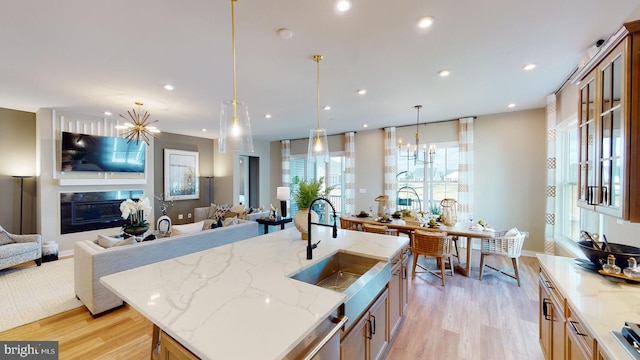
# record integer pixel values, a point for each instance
(415, 154)
(138, 126)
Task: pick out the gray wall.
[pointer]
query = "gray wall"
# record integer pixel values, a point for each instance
(204, 148)
(18, 149)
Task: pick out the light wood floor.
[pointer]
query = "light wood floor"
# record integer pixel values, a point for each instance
(467, 319)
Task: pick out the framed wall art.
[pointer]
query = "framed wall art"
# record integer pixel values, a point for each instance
(181, 174)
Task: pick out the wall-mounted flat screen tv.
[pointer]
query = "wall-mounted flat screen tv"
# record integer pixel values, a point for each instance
(81, 152)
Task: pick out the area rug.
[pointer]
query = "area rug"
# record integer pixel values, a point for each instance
(34, 292)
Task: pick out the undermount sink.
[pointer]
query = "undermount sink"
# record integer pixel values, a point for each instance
(359, 278)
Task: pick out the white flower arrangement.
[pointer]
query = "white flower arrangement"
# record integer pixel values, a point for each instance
(134, 208)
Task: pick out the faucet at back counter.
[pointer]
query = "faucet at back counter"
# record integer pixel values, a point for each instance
(310, 246)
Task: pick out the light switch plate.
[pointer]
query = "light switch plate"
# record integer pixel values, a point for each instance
(363, 191)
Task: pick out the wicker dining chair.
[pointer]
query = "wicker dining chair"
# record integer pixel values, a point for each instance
(431, 244)
(379, 229)
(348, 225)
(504, 243)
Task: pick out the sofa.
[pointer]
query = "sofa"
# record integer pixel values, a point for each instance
(202, 213)
(18, 249)
(93, 261)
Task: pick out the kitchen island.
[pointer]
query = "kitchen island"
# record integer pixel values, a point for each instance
(238, 301)
(595, 305)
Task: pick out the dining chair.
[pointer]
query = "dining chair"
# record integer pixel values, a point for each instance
(379, 229)
(431, 244)
(504, 243)
(348, 225)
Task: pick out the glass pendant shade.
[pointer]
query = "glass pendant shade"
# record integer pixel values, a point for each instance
(235, 128)
(318, 150)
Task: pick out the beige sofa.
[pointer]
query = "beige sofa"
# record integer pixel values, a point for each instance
(202, 213)
(93, 261)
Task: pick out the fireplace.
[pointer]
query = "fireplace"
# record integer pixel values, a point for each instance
(85, 211)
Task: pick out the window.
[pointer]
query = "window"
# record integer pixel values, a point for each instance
(567, 211)
(423, 184)
(332, 172)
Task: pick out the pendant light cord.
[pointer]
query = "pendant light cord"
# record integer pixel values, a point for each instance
(233, 53)
(317, 58)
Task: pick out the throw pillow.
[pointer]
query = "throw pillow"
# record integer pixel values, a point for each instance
(186, 228)
(220, 211)
(130, 241)
(238, 209)
(207, 224)
(230, 221)
(512, 232)
(212, 211)
(109, 242)
(229, 214)
(4, 238)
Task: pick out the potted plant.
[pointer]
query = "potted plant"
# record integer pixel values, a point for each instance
(304, 195)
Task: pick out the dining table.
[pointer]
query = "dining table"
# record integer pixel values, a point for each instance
(408, 226)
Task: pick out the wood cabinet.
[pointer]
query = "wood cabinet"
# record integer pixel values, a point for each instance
(579, 343)
(551, 320)
(608, 127)
(398, 291)
(368, 338)
(172, 350)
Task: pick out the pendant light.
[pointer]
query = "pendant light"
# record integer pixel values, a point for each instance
(235, 124)
(415, 150)
(318, 150)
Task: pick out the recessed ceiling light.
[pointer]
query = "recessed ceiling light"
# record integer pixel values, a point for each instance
(204, 130)
(327, 107)
(529, 67)
(107, 113)
(168, 87)
(285, 33)
(365, 125)
(268, 116)
(425, 22)
(362, 91)
(511, 105)
(343, 5)
(444, 73)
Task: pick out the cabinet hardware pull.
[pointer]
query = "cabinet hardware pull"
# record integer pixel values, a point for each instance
(374, 324)
(370, 330)
(339, 325)
(545, 312)
(573, 325)
(549, 286)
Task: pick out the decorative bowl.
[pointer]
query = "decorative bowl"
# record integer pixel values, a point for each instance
(620, 251)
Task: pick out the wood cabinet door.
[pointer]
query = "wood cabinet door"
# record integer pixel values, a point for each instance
(172, 350)
(405, 281)
(354, 345)
(395, 299)
(379, 325)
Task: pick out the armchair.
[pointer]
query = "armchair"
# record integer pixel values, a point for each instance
(18, 249)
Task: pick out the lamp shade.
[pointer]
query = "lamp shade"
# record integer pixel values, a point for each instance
(283, 193)
(235, 127)
(318, 150)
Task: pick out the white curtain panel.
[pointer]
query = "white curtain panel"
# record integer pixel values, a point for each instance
(349, 173)
(390, 166)
(550, 223)
(286, 166)
(465, 169)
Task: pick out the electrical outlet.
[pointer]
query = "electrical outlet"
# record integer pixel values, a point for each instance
(189, 216)
(180, 216)
(363, 190)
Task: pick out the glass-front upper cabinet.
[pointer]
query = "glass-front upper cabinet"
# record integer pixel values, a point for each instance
(611, 135)
(586, 131)
(609, 127)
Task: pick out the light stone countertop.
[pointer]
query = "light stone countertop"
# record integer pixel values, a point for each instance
(605, 303)
(237, 301)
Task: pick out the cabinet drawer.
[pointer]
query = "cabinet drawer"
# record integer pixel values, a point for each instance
(554, 293)
(579, 341)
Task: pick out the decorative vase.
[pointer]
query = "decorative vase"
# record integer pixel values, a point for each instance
(163, 225)
(300, 221)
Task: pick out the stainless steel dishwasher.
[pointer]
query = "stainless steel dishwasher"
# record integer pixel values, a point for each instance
(323, 343)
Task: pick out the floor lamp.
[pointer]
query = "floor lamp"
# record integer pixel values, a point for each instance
(21, 177)
(210, 178)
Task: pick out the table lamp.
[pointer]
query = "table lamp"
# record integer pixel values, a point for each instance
(283, 194)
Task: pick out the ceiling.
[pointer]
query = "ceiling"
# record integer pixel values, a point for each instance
(89, 57)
